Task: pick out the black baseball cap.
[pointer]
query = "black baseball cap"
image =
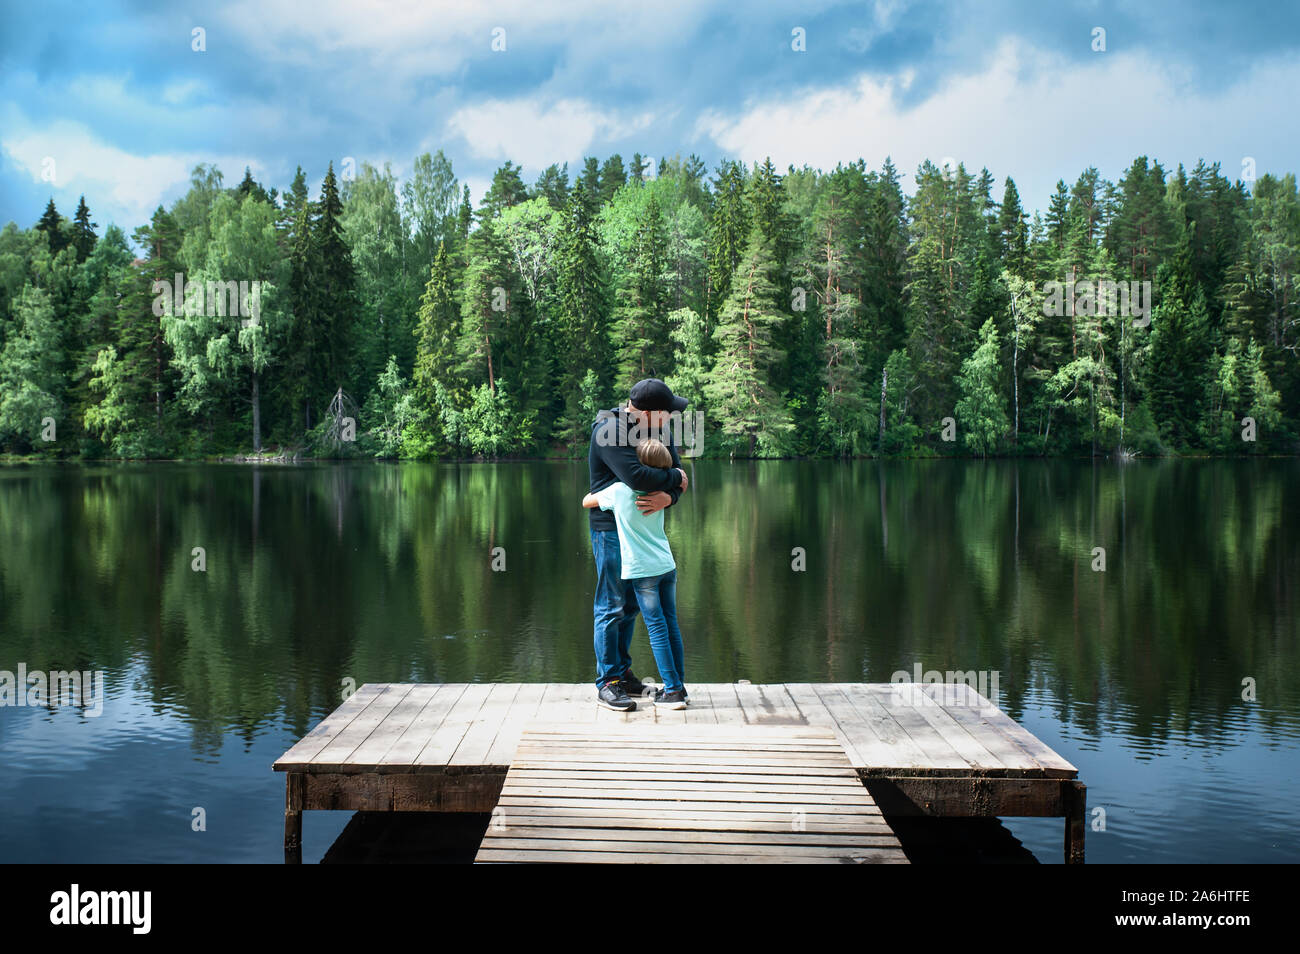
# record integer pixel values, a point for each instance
(651, 394)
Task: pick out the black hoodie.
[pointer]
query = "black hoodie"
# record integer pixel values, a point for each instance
(613, 458)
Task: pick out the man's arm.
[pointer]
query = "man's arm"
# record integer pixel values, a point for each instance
(589, 501)
(662, 499)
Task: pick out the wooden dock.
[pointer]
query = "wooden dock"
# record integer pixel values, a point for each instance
(917, 750)
(688, 794)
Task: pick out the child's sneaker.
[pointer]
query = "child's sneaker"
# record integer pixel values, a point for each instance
(670, 700)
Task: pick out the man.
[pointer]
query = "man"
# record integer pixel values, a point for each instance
(612, 457)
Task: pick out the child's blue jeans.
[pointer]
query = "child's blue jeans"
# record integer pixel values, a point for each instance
(657, 598)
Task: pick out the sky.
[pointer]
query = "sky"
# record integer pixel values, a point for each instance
(115, 101)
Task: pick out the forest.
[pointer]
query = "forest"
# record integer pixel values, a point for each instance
(806, 314)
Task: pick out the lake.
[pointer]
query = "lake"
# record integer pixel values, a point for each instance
(317, 574)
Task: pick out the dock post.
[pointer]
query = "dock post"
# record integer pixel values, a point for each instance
(293, 799)
(1076, 803)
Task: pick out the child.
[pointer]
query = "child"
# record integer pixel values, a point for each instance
(648, 564)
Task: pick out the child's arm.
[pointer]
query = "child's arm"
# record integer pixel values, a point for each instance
(604, 499)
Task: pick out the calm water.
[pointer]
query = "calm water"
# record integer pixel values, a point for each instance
(375, 572)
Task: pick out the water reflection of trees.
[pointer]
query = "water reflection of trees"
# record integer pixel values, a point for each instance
(383, 572)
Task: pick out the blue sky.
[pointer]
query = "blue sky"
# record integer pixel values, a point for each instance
(116, 97)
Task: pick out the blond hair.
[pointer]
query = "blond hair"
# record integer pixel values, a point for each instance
(653, 453)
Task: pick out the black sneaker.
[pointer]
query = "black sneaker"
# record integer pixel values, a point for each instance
(631, 684)
(612, 696)
(670, 700)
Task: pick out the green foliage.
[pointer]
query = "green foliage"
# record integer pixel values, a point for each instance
(390, 412)
(374, 232)
(690, 356)
(981, 410)
(804, 312)
(30, 382)
(228, 334)
(901, 433)
(738, 389)
(492, 426)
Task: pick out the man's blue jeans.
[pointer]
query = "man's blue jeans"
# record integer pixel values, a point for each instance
(657, 597)
(614, 609)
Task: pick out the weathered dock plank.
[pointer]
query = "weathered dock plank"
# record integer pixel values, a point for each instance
(922, 750)
(550, 812)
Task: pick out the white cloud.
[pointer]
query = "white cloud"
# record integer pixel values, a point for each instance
(433, 39)
(1027, 115)
(122, 187)
(179, 92)
(534, 134)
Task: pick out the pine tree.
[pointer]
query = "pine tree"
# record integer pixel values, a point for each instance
(1013, 232)
(464, 219)
(437, 330)
(486, 302)
(161, 239)
(130, 378)
(768, 209)
(937, 303)
(842, 405)
(249, 186)
(51, 223)
(507, 190)
(637, 174)
(102, 276)
(1180, 347)
(1087, 205)
(738, 389)
(640, 332)
(83, 232)
(589, 183)
(295, 199)
(335, 321)
(767, 204)
(612, 178)
(1219, 213)
(1141, 232)
(884, 278)
(581, 314)
(553, 186)
(1057, 215)
(839, 223)
(304, 366)
(728, 232)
